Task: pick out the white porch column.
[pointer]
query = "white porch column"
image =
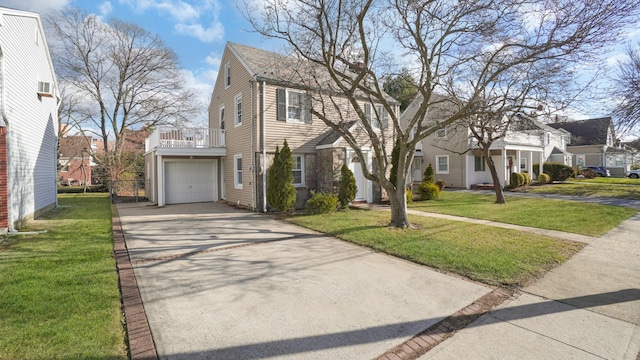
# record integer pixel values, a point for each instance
(541, 169)
(160, 181)
(505, 168)
(518, 161)
(530, 164)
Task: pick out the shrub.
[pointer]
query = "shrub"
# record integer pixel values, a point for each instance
(428, 175)
(527, 178)
(588, 173)
(557, 171)
(515, 180)
(543, 179)
(441, 184)
(321, 203)
(280, 191)
(348, 188)
(409, 196)
(428, 190)
(522, 179)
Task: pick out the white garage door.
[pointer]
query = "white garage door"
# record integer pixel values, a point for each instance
(190, 181)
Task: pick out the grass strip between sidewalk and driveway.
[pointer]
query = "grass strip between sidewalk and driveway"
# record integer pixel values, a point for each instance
(561, 215)
(60, 297)
(488, 254)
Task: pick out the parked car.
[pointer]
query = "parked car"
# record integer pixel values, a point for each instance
(600, 170)
(634, 174)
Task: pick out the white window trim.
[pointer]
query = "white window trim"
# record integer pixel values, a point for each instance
(303, 109)
(302, 173)
(236, 184)
(524, 161)
(227, 75)
(235, 110)
(438, 171)
(444, 130)
(221, 111)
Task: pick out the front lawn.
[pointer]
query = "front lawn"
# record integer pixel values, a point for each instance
(608, 180)
(484, 253)
(586, 188)
(60, 297)
(569, 216)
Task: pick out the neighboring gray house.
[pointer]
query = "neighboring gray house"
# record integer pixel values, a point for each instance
(28, 120)
(593, 143)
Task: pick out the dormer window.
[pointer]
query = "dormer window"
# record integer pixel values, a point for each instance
(44, 89)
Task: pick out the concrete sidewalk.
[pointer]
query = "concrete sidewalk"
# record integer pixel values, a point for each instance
(586, 308)
(221, 283)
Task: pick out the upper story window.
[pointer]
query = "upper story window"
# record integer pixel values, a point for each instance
(293, 106)
(548, 138)
(298, 170)
(221, 117)
(238, 109)
(44, 89)
(227, 75)
(441, 133)
(378, 119)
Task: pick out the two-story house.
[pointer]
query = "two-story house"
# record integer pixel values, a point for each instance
(256, 104)
(456, 157)
(29, 101)
(593, 143)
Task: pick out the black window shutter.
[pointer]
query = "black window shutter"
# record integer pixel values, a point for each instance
(307, 109)
(281, 99)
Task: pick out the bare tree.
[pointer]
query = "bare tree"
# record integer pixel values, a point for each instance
(627, 89)
(459, 49)
(119, 76)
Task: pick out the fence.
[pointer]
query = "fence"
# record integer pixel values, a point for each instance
(128, 191)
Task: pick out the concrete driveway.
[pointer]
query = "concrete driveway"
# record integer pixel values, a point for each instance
(222, 283)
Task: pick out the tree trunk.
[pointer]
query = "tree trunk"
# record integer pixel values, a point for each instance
(398, 202)
(494, 175)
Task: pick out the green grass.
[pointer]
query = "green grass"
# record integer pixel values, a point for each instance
(60, 297)
(484, 253)
(568, 216)
(588, 188)
(608, 180)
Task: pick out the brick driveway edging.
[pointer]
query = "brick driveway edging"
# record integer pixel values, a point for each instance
(141, 345)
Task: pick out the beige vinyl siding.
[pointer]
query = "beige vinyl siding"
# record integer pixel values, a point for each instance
(238, 139)
(457, 143)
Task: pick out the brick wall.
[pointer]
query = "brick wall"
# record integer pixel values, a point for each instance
(4, 181)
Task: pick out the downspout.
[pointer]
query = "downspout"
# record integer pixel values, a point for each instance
(253, 154)
(264, 150)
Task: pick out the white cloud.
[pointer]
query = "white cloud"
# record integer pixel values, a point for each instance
(614, 59)
(105, 8)
(181, 11)
(213, 59)
(38, 6)
(200, 82)
(211, 34)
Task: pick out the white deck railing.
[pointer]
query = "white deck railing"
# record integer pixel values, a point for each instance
(185, 138)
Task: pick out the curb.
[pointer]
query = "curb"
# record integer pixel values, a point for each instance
(444, 329)
(141, 345)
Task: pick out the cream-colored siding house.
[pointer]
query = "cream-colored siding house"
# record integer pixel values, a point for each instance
(457, 159)
(256, 104)
(29, 100)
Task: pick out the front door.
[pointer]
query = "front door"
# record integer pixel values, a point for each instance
(356, 168)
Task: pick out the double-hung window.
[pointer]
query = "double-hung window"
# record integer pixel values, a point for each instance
(238, 109)
(298, 170)
(441, 134)
(442, 164)
(523, 164)
(293, 106)
(221, 116)
(227, 75)
(479, 163)
(237, 171)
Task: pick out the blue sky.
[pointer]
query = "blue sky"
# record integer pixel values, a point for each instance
(197, 30)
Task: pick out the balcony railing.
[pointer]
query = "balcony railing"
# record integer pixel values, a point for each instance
(185, 138)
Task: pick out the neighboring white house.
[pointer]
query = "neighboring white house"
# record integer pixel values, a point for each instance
(456, 158)
(28, 120)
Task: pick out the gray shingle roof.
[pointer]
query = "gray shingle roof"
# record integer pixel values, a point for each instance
(586, 132)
